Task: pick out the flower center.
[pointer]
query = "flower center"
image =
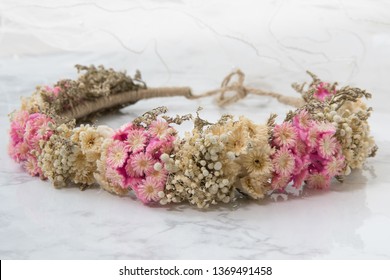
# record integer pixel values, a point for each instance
(284, 161)
(143, 163)
(91, 142)
(257, 162)
(118, 156)
(149, 189)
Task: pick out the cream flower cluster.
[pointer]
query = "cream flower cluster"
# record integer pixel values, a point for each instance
(353, 132)
(214, 163)
(70, 155)
(210, 163)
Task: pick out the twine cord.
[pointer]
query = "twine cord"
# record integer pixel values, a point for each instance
(122, 99)
(240, 91)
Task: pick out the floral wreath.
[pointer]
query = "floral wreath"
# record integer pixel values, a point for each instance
(325, 137)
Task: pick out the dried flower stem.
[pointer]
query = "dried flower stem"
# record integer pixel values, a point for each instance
(121, 99)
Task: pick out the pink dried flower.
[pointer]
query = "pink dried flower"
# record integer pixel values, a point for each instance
(316, 152)
(315, 156)
(31, 166)
(122, 133)
(157, 147)
(115, 177)
(127, 127)
(279, 182)
(133, 182)
(141, 163)
(300, 178)
(19, 152)
(132, 178)
(159, 129)
(129, 169)
(300, 148)
(302, 120)
(148, 190)
(311, 137)
(20, 117)
(318, 180)
(160, 175)
(134, 159)
(154, 148)
(334, 166)
(136, 140)
(18, 126)
(283, 161)
(168, 144)
(325, 128)
(322, 91)
(116, 154)
(55, 90)
(301, 163)
(37, 128)
(316, 162)
(285, 135)
(26, 133)
(327, 146)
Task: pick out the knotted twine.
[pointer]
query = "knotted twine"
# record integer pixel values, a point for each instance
(240, 92)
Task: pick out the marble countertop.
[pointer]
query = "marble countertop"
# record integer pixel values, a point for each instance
(273, 44)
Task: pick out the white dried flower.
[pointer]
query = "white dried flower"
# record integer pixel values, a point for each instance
(157, 166)
(218, 165)
(164, 157)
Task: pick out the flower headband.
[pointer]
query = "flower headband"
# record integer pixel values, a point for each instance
(325, 137)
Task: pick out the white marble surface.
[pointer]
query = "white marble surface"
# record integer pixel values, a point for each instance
(197, 43)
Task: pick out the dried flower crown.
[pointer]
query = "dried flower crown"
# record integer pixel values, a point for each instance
(324, 138)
